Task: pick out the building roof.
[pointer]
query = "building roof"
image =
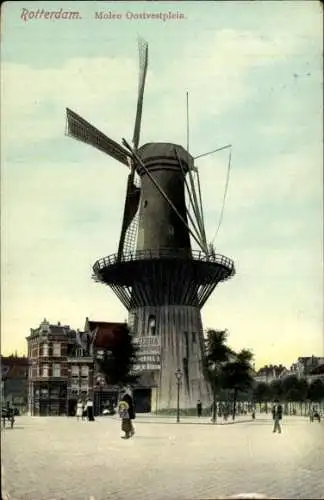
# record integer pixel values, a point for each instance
(104, 334)
(272, 370)
(47, 328)
(310, 360)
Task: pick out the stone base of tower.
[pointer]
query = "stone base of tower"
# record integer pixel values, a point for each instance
(176, 333)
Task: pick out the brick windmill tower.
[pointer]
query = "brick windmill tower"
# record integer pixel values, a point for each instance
(157, 275)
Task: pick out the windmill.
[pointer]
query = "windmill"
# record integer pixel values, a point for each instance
(155, 273)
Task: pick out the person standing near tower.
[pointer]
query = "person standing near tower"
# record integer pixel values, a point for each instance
(127, 412)
(199, 408)
(277, 416)
(90, 410)
(79, 409)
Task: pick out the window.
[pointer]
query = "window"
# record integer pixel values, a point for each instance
(194, 338)
(75, 371)
(79, 352)
(75, 385)
(84, 385)
(45, 350)
(171, 230)
(56, 349)
(45, 370)
(55, 392)
(84, 371)
(100, 354)
(56, 370)
(151, 326)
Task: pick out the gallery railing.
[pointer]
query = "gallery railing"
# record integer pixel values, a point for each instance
(164, 253)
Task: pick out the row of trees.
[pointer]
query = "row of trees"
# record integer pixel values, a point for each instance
(232, 372)
(289, 389)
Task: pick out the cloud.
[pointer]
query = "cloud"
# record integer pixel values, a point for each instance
(104, 89)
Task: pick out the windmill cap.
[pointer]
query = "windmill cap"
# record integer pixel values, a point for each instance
(164, 156)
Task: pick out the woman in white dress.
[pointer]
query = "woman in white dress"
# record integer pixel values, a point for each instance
(79, 409)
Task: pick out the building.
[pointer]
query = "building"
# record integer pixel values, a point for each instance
(14, 386)
(309, 367)
(306, 364)
(60, 369)
(101, 337)
(270, 372)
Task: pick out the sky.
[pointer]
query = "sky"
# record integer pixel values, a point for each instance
(253, 71)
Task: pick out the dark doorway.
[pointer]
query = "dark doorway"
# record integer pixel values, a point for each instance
(142, 399)
(71, 407)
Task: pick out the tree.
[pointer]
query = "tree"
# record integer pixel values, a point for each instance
(316, 390)
(117, 361)
(217, 353)
(237, 374)
(276, 389)
(294, 389)
(262, 393)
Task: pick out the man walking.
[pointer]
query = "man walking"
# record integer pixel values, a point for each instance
(199, 408)
(277, 416)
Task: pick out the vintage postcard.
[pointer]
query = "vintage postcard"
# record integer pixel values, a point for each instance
(162, 250)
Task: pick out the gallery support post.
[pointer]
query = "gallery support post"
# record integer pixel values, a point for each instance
(178, 375)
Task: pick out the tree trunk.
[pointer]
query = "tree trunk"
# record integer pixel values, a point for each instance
(214, 412)
(234, 404)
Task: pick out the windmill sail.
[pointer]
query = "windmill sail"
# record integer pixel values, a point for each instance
(143, 61)
(83, 131)
(130, 210)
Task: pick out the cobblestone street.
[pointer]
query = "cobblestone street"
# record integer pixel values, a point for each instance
(47, 458)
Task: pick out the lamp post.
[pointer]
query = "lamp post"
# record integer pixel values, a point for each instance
(178, 375)
(100, 381)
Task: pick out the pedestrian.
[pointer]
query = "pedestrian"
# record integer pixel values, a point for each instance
(11, 417)
(127, 412)
(79, 410)
(84, 410)
(199, 408)
(277, 416)
(4, 416)
(89, 406)
(9, 414)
